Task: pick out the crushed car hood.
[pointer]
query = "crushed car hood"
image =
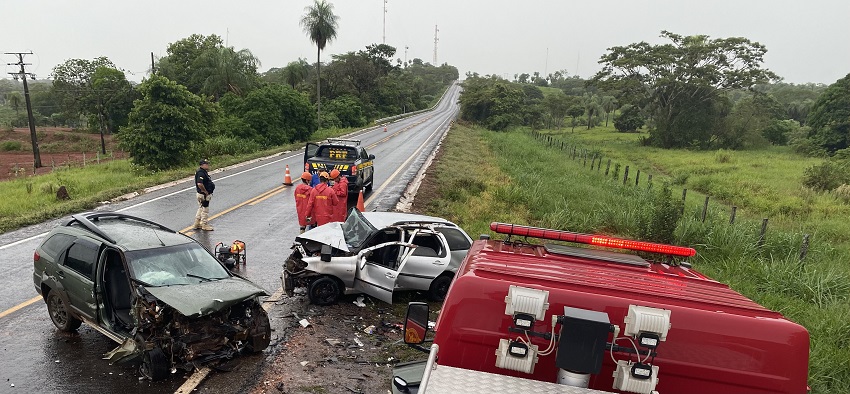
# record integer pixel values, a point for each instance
(328, 234)
(206, 297)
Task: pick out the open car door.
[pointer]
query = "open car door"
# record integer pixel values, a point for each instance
(378, 268)
(310, 151)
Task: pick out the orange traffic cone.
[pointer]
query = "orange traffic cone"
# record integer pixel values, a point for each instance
(360, 206)
(287, 179)
(385, 128)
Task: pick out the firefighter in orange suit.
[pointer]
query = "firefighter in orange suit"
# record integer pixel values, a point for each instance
(322, 201)
(302, 198)
(341, 190)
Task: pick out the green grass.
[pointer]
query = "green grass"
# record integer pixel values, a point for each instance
(31, 200)
(513, 177)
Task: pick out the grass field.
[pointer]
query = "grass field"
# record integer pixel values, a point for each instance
(32, 199)
(515, 178)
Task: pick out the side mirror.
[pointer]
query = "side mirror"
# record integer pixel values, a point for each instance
(371, 157)
(326, 253)
(416, 323)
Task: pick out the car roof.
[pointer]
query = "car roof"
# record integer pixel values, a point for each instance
(125, 231)
(385, 219)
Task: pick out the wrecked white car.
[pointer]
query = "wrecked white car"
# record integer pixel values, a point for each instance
(158, 293)
(376, 253)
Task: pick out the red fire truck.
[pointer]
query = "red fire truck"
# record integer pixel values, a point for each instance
(525, 315)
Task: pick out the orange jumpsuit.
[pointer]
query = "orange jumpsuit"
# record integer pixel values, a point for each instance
(341, 208)
(302, 198)
(321, 204)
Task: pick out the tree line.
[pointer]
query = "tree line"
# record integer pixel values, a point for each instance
(204, 98)
(693, 92)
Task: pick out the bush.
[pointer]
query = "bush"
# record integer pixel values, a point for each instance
(778, 131)
(658, 222)
(680, 178)
(723, 156)
(8, 146)
(629, 119)
(843, 192)
(223, 145)
(828, 175)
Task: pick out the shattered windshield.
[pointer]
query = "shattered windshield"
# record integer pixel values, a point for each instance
(356, 229)
(175, 265)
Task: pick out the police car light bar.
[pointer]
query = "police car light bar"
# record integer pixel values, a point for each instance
(598, 240)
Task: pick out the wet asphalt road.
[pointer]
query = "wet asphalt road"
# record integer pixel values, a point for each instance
(252, 205)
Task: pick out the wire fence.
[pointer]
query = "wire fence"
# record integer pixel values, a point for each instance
(594, 161)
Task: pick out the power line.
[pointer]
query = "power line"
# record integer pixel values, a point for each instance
(23, 74)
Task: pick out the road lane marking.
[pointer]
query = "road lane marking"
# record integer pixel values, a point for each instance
(262, 196)
(19, 306)
(255, 202)
(195, 380)
(406, 162)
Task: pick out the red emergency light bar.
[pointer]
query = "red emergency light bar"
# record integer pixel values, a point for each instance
(598, 240)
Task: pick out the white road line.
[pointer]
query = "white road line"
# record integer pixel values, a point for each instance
(18, 242)
(404, 165)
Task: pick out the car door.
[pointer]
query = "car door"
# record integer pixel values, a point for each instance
(373, 276)
(77, 276)
(310, 151)
(428, 260)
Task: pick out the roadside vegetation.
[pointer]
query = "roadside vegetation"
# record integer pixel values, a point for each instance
(515, 178)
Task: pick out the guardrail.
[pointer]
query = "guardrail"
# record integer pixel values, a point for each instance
(401, 116)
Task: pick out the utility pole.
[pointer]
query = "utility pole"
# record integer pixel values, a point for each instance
(385, 22)
(23, 74)
(436, 39)
(153, 66)
(546, 67)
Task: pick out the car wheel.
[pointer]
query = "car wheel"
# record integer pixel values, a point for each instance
(62, 319)
(155, 365)
(439, 288)
(371, 182)
(261, 333)
(324, 291)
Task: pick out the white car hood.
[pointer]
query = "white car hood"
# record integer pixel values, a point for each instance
(328, 234)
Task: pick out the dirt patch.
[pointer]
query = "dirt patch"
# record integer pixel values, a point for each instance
(58, 147)
(345, 348)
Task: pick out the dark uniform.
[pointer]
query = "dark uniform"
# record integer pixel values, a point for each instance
(204, 194)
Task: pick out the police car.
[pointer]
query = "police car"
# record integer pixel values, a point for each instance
(347, 156)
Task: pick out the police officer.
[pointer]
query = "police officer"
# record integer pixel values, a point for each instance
(204, 186)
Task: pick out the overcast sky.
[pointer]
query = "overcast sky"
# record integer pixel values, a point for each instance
(807, 41)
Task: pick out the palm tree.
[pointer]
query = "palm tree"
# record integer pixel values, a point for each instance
(320, 24)
(15, 101)
(228, 70)
(609, 104)
(295, 72)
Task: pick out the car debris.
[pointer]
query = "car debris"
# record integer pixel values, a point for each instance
(304, 323)
(359, 302)
(369, 330)
(375, 253)
(160, 295)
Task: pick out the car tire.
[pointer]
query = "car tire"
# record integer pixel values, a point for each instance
(439, 287)
(155, 365)
(369, 186)
(59, 314)
(261, 332)
(324, 291)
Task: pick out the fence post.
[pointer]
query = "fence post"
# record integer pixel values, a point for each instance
(599, 167)
(760, 242)
(592, 161)
(704, 209)
(637, 178)
(607, 167)
(649, 182)
(584, 163)
(804, 249)
(732, 216)
(616, 170)
(626, 175)
(84, 159)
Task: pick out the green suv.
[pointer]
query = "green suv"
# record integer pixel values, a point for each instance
(163, 297)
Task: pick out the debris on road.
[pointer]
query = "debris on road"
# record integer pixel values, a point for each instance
(334, 342)
(359, 302)
(358, 342)
(369, 330)
(304, 323)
